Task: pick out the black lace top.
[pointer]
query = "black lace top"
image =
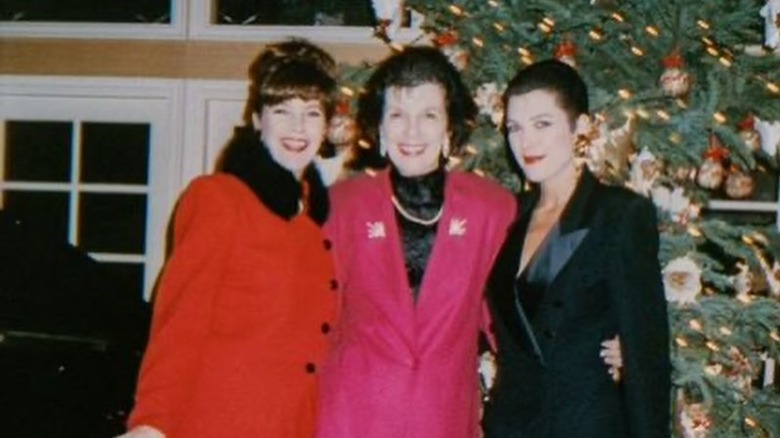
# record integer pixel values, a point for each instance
(422, 197)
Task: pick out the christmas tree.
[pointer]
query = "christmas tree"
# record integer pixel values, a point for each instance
(686, 102)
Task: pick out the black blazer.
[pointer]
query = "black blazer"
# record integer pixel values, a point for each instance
(603, 279)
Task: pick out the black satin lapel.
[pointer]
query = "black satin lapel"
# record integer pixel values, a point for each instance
(562, 248)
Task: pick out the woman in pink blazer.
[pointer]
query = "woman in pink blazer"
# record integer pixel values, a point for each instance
(413, 244)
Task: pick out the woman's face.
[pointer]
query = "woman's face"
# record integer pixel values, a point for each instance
(293, 131)
(540, 134)
(414, 127)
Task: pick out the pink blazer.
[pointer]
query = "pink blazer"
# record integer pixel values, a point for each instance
(400, 369)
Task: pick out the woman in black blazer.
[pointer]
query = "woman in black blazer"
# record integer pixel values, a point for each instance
(579, 266)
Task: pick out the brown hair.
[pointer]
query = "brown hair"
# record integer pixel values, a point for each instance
(290, 69)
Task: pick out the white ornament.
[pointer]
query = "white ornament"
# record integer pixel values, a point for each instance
(488, 100)
(682, 280)
(771, 14)
(644, 172)
(711, 174)
(675, 82)
(675, 202)
(743, 280)
(770, 136)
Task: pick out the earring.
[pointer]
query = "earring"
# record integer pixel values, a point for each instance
(445, 148)
(382, 146)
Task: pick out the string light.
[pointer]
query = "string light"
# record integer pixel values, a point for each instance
(663, 115)
(712, 51)
(720, 117)
(641, 112)
(708, 41)
(652, 31)
(477, 42)
(471, 150)
(725, 61)
(493, 3)
(364, 144)
(773, 334)
(523, 51)
(617, 17)
(725, 331)
(750, 422)
(624, 94)
(681, 103)
(695, 325)
(675, 138)
(771, 86)
(544, 27)
(712, 346)
(548, 21)
(703, 24)
(637, 51)
(681, 341)
(347, 91)
(456, 10)
(595, 35)
(479, 172)
(498, 26)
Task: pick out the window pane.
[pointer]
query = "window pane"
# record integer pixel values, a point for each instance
(115, 153)
(92, 11)
(44, 211)
(38, 151)
(128, 279)
(113, 223)
(295, 12)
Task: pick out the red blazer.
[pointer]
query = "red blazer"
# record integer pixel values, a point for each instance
(241, 320)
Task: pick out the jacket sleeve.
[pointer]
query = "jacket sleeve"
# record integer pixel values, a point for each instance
(643, 324)
(183, 305)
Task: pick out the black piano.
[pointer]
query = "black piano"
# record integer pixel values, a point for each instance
(71, 339)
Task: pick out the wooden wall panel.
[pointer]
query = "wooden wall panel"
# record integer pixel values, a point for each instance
(160, 59)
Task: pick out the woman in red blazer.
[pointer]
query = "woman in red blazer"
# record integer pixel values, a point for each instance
(245, 304)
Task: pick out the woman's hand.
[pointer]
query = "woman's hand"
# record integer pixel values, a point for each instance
(142, 432)
(613, 358)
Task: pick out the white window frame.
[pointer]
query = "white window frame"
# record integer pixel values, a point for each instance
(158, 102)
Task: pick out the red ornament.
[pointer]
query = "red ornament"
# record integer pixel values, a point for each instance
(446, 38)
(567, 52)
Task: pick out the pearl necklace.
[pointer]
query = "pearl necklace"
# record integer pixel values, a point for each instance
(411, 218)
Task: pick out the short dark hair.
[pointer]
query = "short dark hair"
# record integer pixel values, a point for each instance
(554, 76)
(413, 66)
(290, 69)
